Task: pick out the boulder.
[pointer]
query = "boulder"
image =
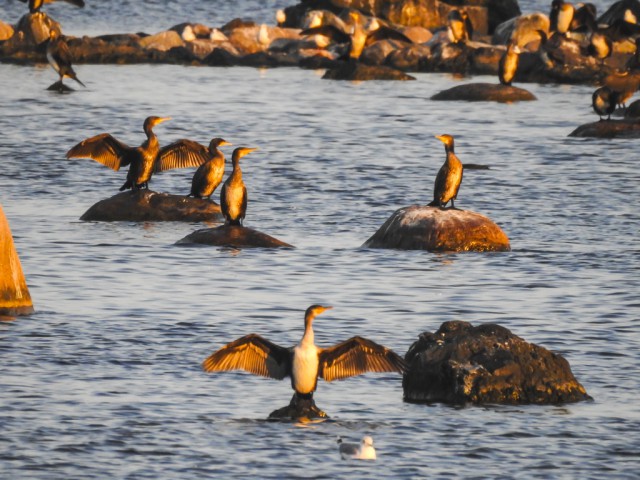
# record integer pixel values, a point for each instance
(487, 363)
(149, 206)
(27, 41)
(485, 92)
(414, 58)
(298, 409)
(234, 236)
(356, 71)
(162, 41)
(14, 294)
(440, 230)
(625, 128)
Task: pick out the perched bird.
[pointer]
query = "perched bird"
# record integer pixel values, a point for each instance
(449, 176)
(233, 196)
(355, 36)
(305, 362)
(36, 5)
(600, 46)
(508, 65)
(143, 160)
(363, 451)
(459, 28)
(561, 16)
(625, 84)
(584, 18)
(209, 175)
(59, 58)
(604, 101)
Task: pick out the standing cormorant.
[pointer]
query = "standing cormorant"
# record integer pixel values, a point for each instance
(508, 65)
(449, 176)
(143, 160)
(36, 5)
(459, 27)
(561, 16)
(305, 362)
(59, 58)
(600, 46)
(233, 196)
(209, 175)
(604, 101)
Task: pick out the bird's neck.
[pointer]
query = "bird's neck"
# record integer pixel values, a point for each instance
(308, 337)
(236, 174)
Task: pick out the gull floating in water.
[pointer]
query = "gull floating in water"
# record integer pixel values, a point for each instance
(362, 451)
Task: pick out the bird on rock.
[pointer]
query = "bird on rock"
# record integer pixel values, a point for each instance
(209, 175)
(233, 196)
(59, 58)
(449, 176)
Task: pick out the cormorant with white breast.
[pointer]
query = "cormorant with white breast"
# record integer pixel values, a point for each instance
(305, 362)
(59, 58)
(233, 196)
(209, 175)
(143, 160)
(449, 176)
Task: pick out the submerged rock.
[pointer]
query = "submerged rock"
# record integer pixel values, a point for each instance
(440, 230)
(461, 364)
(149, 206)
(485, 92)
(14, 294)
(625, 128)
(298, 409)
(234, 236)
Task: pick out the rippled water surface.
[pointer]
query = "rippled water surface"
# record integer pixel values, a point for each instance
(104, 381)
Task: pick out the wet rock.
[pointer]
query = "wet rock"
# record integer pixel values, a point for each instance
(356, 71)
(298, 409)
(485, 60)
(412, 58)
(440, 230)
(14, 294)
(625, 128)
(27, 42)
(60, 87)
(119, 49)
(234, 236)
(376, 53)
(487, 363)
(633, 110)
(485, 92)
(522, 29)
(149, 206)
(162, 41)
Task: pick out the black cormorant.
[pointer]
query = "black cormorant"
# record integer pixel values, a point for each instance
(604, 101)
(508, 65)
(209, 175)
(59, 58)
(233, 196)
(449, 176)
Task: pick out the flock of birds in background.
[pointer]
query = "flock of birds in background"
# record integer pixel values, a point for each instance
(305, 362)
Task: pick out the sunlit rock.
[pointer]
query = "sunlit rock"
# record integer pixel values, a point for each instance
(299, 409)
(162, 41)
(485, 92)
(149, 206)
(461, 364)
(234, 236)
(417, 34)
(14, 294)
(253, 38)
(441, 230)
(625, 128)
(27, 41)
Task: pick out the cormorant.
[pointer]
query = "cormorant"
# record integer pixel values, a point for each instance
(59, 58)
(449, 176)
(584, 18)
(459, 27)
(233, 196)
(604, 101)
(508, 65)
(36, 5)
(144, 160)
(561, 16)
(600, 46)
(209, 175)
(358, 37)
(625, 84)
(305, 362)
(362, 451)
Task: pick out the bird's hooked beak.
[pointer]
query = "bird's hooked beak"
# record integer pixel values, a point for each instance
(313, 311)
(224, 143)
(162, 119)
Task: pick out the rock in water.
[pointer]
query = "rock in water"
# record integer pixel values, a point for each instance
(461, 364)
(485, 92)
(149, 206)
(444, 230)
(14, 294)
(298, 409)
(234, 236)
(627, 128)
(359, 72)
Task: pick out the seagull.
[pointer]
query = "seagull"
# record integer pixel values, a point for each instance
(362, 451)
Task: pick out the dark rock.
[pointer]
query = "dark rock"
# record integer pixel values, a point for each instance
(411, 58)
(149, 206)
(626, 128)
(440, 230)
(60, 87)
(220, 57)
(461, 364)
(360, 72)
(28, 40)
(633, 110)
(298, 409)
(234, 236)
(485, 92)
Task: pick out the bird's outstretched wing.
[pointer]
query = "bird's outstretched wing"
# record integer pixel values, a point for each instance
(181, 154)
(356, 356)
(103, 148)
(334, 33)
(251, 353)
(386, 33)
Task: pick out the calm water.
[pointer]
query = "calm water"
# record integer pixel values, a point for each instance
(104, 381)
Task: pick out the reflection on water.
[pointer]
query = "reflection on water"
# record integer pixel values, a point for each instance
(105, 380)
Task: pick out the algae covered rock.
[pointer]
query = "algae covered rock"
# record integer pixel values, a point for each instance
(149, 206)
(234, 236)
(445, 230)
(485, 92)
(487, 363)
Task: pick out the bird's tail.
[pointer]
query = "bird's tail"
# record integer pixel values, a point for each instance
(78, 80)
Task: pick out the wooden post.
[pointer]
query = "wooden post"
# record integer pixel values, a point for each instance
(14, 294)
